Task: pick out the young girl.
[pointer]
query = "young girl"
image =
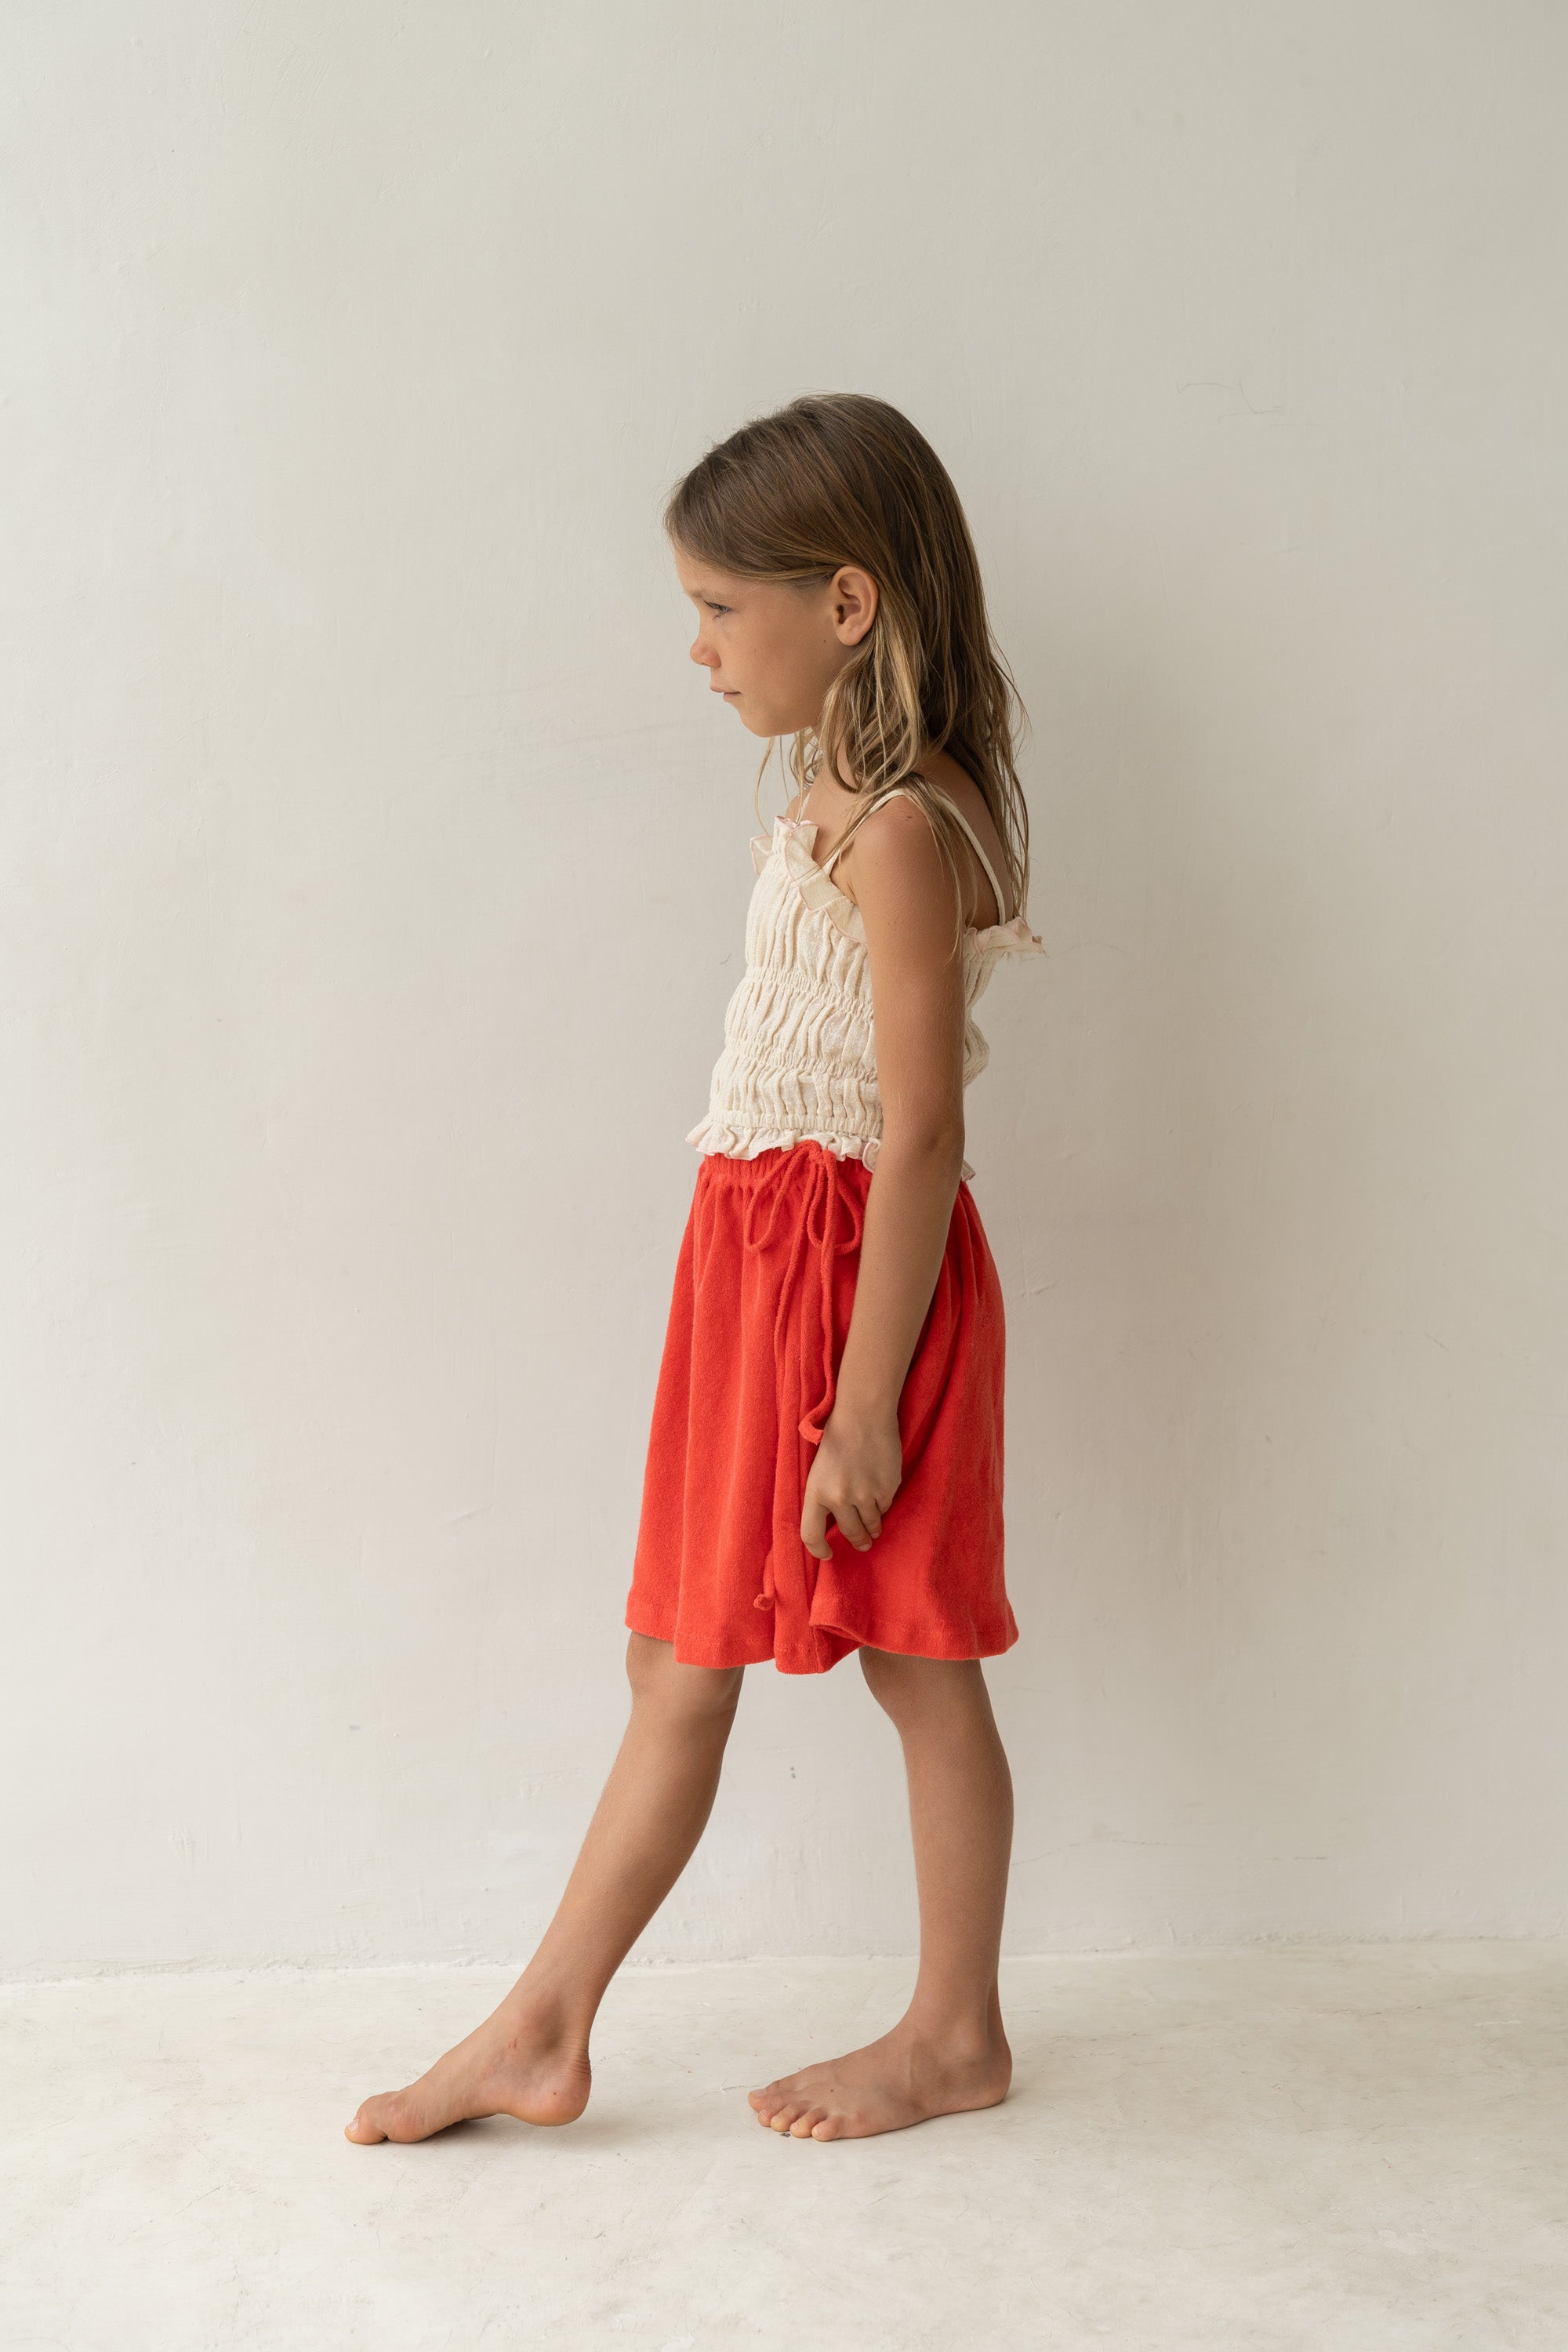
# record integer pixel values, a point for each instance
(825, 1469)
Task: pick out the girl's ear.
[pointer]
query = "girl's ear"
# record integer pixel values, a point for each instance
(854, 594)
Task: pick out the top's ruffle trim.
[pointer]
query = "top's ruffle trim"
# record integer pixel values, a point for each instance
(715, 1136)
(794, 839)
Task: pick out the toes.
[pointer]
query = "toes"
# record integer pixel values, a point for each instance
(803, 2126)
(783, 2116)
(363, 2131)
(829, 2127)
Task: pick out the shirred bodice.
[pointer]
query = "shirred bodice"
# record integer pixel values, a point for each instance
(799, 1063)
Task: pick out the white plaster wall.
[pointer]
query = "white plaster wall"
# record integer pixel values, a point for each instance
(374, 867)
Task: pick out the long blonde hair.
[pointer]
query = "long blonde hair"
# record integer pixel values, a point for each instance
(840, 477)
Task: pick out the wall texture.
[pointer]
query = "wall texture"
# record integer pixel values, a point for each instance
(374, 867)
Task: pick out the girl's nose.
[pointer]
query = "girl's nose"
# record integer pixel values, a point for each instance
(700, 653)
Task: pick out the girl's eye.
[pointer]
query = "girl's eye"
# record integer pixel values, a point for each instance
(718, 608)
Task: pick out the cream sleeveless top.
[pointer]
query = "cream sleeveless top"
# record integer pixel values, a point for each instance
(799, 1063)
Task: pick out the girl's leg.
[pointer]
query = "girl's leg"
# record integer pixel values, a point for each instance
(948, 2050)
(530, 2058)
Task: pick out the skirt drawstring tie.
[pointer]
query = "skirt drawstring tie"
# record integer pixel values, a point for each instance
(828, 1224)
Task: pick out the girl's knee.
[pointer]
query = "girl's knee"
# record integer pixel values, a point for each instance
(904, 1686)
(657, 1679)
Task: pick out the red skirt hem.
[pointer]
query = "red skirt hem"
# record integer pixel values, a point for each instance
(837, 1638)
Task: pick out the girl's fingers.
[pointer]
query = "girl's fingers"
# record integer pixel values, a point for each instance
(813, 1527)
(858, 1522)
(852, 1527)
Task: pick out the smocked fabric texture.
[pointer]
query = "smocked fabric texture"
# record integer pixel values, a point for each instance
(799, 1063)
(764, 1288)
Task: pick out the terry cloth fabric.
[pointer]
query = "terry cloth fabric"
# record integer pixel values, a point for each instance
(763, 1291)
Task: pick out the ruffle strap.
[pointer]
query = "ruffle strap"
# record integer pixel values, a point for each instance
(796, 837)
(1010, 939)
(819, 891)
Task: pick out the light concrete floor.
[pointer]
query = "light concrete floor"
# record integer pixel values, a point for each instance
(1328, 2149)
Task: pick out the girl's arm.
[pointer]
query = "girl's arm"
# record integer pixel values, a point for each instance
(905, 895)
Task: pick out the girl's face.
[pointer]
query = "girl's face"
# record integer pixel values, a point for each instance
(773, 648)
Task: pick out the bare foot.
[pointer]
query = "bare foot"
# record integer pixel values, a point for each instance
(898, 2081)
(509, 2065)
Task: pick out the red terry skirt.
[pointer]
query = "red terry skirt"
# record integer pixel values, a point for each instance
(763, 1289)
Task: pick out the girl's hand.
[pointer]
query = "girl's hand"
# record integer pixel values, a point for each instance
(858, 1466)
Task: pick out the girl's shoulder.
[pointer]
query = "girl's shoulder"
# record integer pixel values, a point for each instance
(896, 825)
